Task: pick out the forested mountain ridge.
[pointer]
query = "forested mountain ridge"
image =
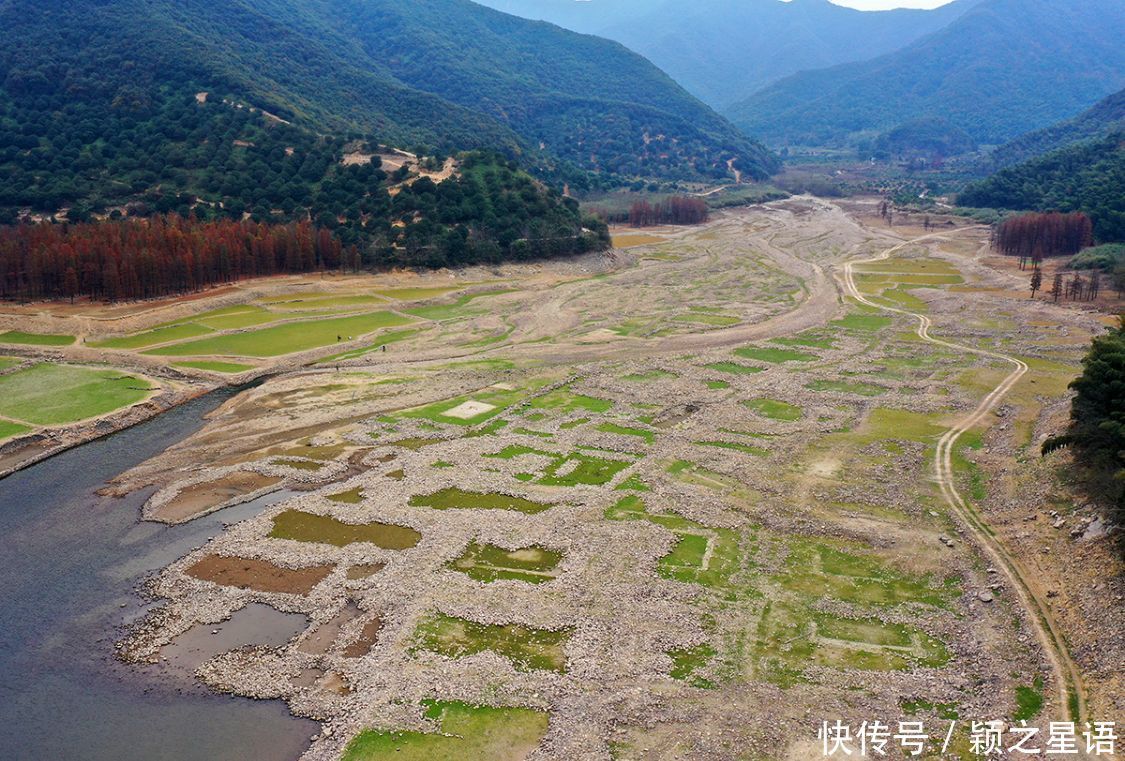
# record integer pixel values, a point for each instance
(1107, 115)
(723, 51)
(76, 76)
(1002, 68)
(597, 104)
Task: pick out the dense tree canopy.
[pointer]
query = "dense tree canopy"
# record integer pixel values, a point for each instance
(1098, 411)
(1038, 236)
(447, 75)
(1088, 177)
(151, 258)
(487, 211)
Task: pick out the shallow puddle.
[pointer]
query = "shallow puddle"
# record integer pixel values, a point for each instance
(256, 624)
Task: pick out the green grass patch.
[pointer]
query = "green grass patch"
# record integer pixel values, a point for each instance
(704, 318)
(820, 569)
(288, 338)
(488, 563)
(736, 447)
(459, 499)
(308, 527)
(734, 368)
(9, 362)
(774, 355)
(417, 294)
(1029, 701)
(570, 469)
(499, 400)
(649, 375)
(8, 429)
(47, 394)
(692, 474)
(153, 337)
(35, 339)
(215, 367)
(383, 339)
(330, 303)
(309, 465)
(466, 733)
(633, 483)
(774, 409)
(588, 471)
(811, 340)
(702, 555)
(528, 648)
(349, 497)
(716, 385)
(687, 661)
(868, 323)
(623, 430)
(235, 318)
(562, 401)
(910, 266)
(848, 387)
(792, 636)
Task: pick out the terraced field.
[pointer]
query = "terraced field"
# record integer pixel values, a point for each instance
(687, 506)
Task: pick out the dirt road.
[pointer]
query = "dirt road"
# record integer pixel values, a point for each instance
(1068, 678)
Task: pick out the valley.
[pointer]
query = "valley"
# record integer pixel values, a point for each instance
(612, 506)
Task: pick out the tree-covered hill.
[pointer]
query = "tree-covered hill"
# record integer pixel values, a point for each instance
(723, 51)
(1004, 67)
(445, 74)
(1087, 177)
(1107, 115)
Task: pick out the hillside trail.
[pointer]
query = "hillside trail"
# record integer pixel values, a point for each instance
(1068, 677)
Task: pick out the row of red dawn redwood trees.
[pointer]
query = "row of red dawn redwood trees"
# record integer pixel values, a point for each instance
(1034, 237)
(156, 257)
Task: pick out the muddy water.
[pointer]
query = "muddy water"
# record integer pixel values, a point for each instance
(70, 562)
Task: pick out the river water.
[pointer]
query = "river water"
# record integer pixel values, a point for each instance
(70, 563)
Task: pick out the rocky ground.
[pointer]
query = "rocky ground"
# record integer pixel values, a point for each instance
(736, 464)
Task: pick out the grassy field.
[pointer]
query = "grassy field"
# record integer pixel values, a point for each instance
(59, 394)
(774, 409)
(467, 732)
(35, 339)
(9, 429)
(153, 337)
(284, 339)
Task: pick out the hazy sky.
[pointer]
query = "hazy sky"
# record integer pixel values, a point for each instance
(882, 5)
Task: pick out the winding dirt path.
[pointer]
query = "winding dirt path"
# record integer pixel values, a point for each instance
(1068, 677)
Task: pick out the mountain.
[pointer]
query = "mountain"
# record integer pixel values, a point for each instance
(1108, 115)
(445, 75)
(1087, 176)
(1001, 69)
(723, 51)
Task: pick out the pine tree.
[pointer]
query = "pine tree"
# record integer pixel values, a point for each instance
(1098, 410)
(1057, 287)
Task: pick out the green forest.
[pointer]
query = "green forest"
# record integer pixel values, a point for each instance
(1088, 177)
(435, 77)
(1098, 414)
